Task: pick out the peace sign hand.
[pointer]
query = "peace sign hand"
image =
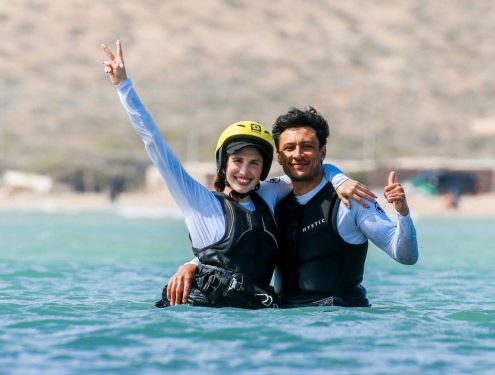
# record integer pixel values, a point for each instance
(114, 66)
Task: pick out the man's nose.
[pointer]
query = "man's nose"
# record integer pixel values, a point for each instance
(298, 152)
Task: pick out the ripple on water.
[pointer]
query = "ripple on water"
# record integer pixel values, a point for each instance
(474, 316)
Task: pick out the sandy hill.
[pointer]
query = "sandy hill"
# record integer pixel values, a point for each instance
(395, 78)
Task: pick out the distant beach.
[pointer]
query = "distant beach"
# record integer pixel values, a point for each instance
(161, 204)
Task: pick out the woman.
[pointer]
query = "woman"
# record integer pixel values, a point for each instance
(232, 231)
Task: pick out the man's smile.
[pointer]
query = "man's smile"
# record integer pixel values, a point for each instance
(300, 164)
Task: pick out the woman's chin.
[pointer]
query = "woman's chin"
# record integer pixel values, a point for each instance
(243, 189)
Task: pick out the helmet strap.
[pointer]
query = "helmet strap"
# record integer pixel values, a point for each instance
(234, 194)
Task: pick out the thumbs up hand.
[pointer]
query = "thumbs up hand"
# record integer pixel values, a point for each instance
(394, 193)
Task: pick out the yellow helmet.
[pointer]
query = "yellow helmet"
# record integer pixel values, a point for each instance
(242, 134)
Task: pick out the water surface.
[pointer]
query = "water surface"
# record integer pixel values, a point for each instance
(77, 294)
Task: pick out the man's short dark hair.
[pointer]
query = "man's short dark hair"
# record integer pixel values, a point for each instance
(296, 118)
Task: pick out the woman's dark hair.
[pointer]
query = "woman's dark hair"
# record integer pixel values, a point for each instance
(220, 182)
(296, 118)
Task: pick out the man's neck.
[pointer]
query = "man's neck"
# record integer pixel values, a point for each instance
(302, 187)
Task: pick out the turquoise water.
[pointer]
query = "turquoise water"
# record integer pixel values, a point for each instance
(77, 293)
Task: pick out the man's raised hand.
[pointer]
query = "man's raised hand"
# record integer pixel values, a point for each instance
(394, 193)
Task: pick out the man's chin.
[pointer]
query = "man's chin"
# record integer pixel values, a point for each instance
(304, 176)
(298, 176)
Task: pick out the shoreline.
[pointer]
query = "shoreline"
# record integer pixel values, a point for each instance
(161, 204)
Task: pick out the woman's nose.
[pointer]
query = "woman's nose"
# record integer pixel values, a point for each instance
(243, 168)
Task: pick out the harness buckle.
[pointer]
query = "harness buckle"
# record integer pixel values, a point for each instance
(212, 282)
(235, 283)
(266, 299)
(211, 288)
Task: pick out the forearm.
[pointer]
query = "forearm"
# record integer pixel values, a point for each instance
(334, 175)
(180, 183)
(202, 211)
(398, 241)
(404, 246)
(158, 151)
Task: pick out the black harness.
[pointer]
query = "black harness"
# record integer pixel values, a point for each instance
(250, 243)
(236, 270)
(219, 287)
(316, 263)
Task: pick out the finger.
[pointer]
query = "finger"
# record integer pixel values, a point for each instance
(119, 49)
(391, 178)
(187, 289)
(360, 201)
(395, 198)
(108, 70)
(365, 193)
(392, 192)
(171, 291)
(107, 51)
(392, 187)
(346, 202)
(111, 64)
(368, 191)
(120, 56)
(178, 293)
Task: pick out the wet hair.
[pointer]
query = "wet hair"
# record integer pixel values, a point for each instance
(296, 118)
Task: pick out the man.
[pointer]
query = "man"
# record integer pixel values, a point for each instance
(323, 243)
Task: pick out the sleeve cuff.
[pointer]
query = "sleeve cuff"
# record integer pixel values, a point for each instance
(124, 85)
(339, 179)
(195, 261)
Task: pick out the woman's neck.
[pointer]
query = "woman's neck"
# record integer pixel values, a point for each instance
(229, 190)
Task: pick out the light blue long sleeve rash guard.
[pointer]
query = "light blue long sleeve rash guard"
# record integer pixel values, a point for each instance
(204, 216)
(202, 211)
